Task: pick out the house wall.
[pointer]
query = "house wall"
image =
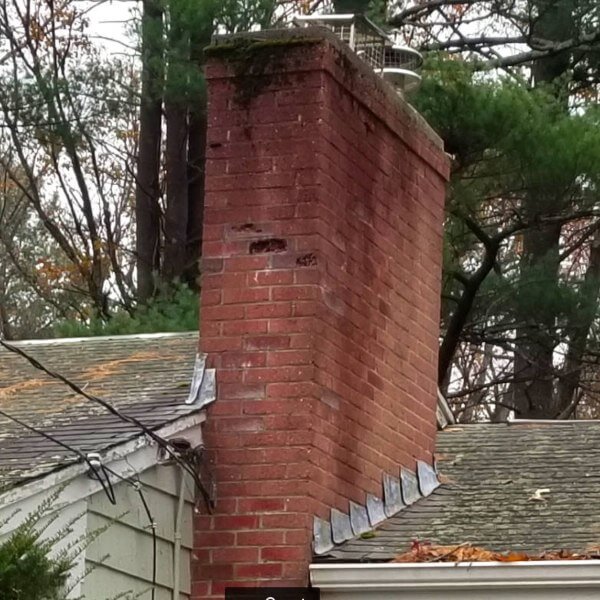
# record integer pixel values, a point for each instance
(320, 298)
(75, 502)
(80, 509)
(121, 558)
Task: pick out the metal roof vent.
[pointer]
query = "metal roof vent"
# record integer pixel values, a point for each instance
(395, 63)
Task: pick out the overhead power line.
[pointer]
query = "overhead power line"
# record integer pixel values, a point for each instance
(106, 486)
(162, 443)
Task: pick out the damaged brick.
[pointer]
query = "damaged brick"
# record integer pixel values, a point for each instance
(246, 227)
(268, 245)
(307, 260)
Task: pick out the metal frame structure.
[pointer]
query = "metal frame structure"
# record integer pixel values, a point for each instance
(395, 63)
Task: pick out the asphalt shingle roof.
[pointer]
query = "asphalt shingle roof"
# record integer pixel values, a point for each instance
(145, 376)
(489, 473)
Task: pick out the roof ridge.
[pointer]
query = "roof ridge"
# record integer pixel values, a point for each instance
(128, 336)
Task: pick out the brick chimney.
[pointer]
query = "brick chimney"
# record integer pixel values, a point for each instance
(320, 300)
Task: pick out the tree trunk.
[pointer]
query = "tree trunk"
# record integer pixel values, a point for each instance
(176, 211)
(196, 161)
(555, 23)
(578, 329)
(534, 395)
(176, 116)
(147, 194)
(460, 315)
(533, 390)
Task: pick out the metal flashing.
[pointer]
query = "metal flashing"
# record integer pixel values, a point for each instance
(428, 481)
(208, 390)
(375, 509)
(323, 542)
(359, 519)
(410, 486)
(341, 529)
(392, 495)
(197, 378)
(397, 494)
(444, 414)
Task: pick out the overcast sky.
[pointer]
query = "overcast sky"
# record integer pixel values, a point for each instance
(109, 20)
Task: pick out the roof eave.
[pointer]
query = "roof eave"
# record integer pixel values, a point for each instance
(63, 475)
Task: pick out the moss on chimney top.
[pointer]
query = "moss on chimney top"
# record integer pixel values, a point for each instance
(256, 61)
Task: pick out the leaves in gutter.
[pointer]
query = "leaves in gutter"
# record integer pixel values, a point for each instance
(423, 552)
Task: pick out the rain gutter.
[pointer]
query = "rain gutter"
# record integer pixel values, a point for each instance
(578, 579)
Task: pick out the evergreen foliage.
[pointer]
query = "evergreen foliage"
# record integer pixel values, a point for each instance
(523, 170)
(30, 569)
(174, 308)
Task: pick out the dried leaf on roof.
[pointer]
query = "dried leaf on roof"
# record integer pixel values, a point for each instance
(139, 375)
(423, 552)
(116, 366)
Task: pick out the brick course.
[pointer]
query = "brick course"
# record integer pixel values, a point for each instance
(320, 304)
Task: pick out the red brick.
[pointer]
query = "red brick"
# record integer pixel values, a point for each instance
(272, 310)
(241, 424)
(260, 538)
(283, 554)
(286, 521)
(199, 589)
(259, 571)
(228, 391)
(261, 505)
(302, 325)
(246, 263)
(284, 277)
(291, 390)
(211, 297)
(213, 571)
(270, 342)
(236, 555)
(235, 522)
(221, 344)
(245, 295)
(222, 281)
(297, 537)
(290, 357)
(297, 292)
(222, 313)
(273, 374)
(244, 326)
(296, 573)
(325, 352)
(217, 539)
(249, 164)
(244, 360)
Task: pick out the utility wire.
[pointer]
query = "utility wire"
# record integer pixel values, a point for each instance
(153, 526)
(115, 411)
(107, 487)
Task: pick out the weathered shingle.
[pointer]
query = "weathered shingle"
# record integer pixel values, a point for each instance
(489, 473)
(145, 376)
